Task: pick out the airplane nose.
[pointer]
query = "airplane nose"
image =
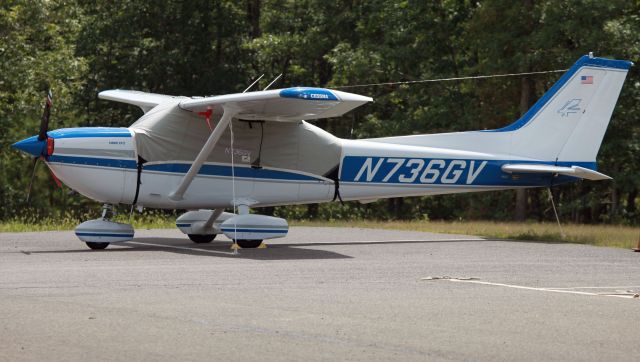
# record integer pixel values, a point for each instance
(32, 146)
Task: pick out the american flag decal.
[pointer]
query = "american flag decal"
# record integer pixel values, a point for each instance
(586, 79)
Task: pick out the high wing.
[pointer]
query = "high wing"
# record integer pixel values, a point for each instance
(146, 101)
(575, 171)
(284, 105)
(281, 105)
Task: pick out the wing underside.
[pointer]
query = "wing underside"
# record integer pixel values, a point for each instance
(146, 101)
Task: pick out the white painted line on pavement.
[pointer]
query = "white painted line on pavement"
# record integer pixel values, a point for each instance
(552, 290)
(614, 287)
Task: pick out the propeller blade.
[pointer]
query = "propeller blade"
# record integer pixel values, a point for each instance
(44, 121)
(56, 179)
(33, 174)
(42, 135)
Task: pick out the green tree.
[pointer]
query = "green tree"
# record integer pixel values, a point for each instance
(78, 48)
(37, 46)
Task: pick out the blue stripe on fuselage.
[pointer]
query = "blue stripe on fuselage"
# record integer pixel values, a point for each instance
(93, 161)
(223, 170)
(182, 168)
(465, 172)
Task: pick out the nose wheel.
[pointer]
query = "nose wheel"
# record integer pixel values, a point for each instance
(99, 233)
(96, 246)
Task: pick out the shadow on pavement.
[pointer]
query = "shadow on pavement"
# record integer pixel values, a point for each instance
(219, 249)
(276, 251)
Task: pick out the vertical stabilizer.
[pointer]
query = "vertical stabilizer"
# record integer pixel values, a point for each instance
(569, 121)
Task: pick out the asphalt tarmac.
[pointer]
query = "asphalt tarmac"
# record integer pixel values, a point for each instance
(318, 294)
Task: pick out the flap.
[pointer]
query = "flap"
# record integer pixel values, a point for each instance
(285, 105)
(575, 171)
(146, 101)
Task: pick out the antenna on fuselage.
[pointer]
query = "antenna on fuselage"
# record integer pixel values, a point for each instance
(273, 81)
(254, 83)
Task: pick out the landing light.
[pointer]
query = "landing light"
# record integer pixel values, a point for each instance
(50, 146)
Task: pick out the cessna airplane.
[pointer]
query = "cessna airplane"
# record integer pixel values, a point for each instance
(257, 149)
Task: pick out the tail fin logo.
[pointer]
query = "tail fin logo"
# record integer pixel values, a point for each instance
(572, 106)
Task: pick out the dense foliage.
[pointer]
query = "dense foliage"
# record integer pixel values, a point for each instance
(201, 47)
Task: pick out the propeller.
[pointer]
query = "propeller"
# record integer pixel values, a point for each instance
(47, 143)
(44, 121)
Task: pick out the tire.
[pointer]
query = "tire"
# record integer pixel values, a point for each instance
(201, 239)
(96, 245)
(248, 244)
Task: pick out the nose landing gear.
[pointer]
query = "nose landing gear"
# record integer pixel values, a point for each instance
(99, 233)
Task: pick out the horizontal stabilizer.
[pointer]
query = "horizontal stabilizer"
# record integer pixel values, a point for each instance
(575, 171)
(146, 101)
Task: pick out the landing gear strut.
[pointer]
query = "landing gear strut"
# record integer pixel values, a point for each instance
(107, 212)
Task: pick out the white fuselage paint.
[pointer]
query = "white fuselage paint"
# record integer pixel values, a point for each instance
(115, 179)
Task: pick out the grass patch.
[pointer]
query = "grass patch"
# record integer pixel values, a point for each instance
(144, 221)
(601, 235)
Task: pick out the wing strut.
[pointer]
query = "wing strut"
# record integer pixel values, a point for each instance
(204, 153)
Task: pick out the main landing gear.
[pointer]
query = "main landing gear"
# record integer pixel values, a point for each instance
(243, 243)
(99, 233)
(201, 239)
(202, 226)
(248, 244)
(246, 230)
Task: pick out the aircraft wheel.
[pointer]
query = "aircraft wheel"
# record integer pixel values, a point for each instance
(96, 245)
(248, 244)
(200, 239)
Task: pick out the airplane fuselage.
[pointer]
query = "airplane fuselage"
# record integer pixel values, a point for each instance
(102, 164)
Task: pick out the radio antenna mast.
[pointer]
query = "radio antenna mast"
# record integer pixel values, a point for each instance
(254, 82)
(273, 81)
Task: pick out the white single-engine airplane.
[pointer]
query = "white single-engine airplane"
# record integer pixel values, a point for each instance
(256, 149)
